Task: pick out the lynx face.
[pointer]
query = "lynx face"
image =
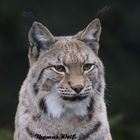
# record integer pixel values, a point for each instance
(65, 72)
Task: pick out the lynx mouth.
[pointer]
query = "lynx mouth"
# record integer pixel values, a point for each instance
(74, 98)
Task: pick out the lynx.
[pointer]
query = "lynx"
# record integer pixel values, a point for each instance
(63, 94)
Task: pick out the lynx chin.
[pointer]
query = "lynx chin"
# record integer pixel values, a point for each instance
(63, 92)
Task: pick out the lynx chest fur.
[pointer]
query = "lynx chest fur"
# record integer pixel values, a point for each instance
(63, 95)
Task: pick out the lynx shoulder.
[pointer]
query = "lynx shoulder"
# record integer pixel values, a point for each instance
(62, 96)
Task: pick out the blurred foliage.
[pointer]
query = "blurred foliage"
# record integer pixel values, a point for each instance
(122, 131)
(115, 120)
(119, 51)
(6, 134)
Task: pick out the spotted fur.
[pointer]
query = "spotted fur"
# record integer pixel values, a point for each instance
(63, 92)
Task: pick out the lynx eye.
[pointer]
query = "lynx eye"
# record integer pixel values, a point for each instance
(60, 68)
(88, 66)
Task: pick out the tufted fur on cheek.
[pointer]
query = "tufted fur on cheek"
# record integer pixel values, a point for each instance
(40, 84)
(57, 108)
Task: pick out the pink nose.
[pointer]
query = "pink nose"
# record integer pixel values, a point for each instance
(77, 88)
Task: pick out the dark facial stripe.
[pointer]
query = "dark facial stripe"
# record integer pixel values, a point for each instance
(90, 132)
(40, 75)
(35, 87)
(42, 105)
(90, 109)
(99, 87)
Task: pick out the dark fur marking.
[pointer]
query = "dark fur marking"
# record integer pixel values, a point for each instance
(42, 105)
(99, 87)
(40, 75)
(87, 57)
(26, 111)
(90, 109)
(90, 132)
(35, 87)
(48, 84)
(58, 59)
(90, 115)
(35, 118)
(93, 80)
(31, 134)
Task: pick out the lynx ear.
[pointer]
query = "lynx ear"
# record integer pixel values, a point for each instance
(40, 39)
(91, 35)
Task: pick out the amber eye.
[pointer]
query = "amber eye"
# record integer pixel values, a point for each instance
(60, 68)
(87, 67)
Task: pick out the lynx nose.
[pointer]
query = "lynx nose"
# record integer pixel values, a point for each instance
(77, 88)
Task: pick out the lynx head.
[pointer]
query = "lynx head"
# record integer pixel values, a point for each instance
(65, 72)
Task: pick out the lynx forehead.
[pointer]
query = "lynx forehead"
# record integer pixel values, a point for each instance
(68, 51)
(64, 89)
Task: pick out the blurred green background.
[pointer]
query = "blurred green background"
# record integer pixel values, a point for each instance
(119, 51)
